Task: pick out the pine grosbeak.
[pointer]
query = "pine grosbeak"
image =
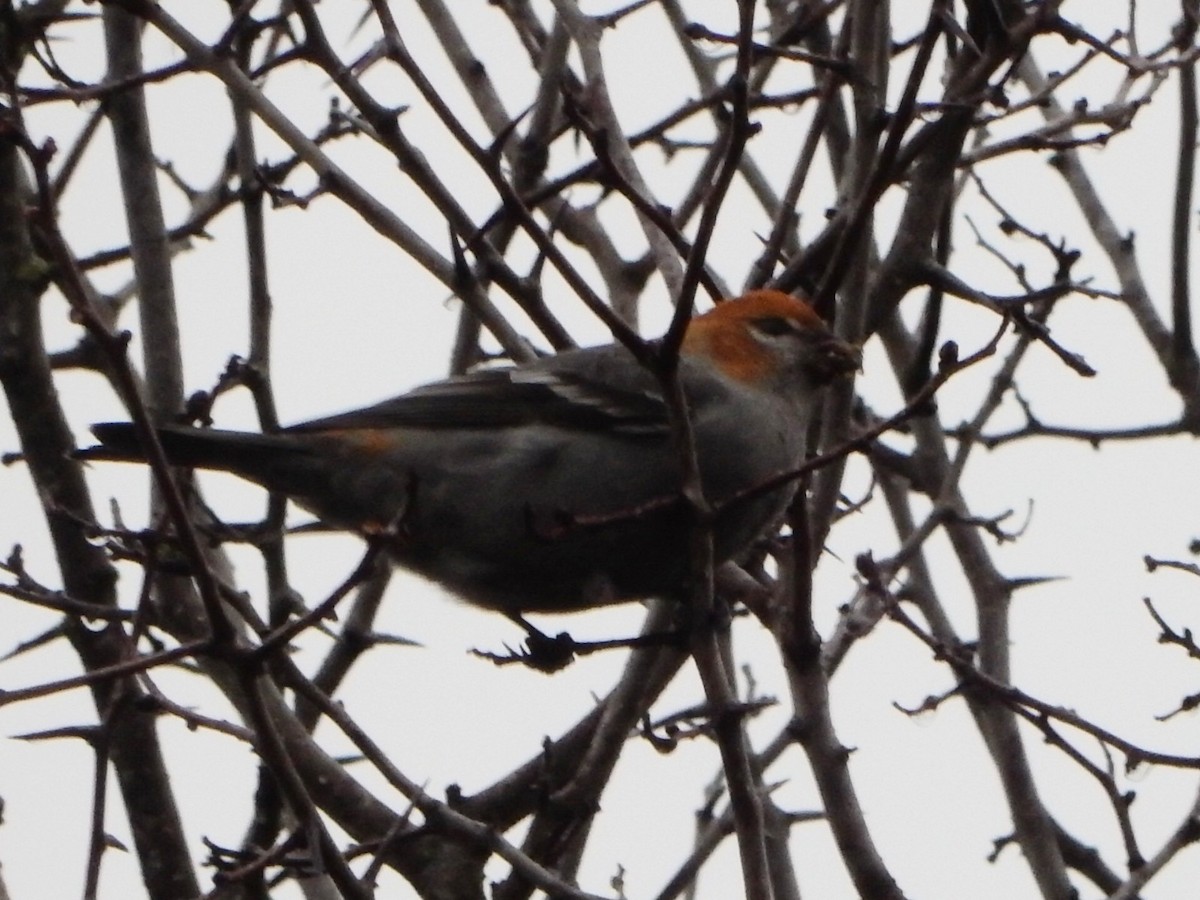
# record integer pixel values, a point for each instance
(549, 486)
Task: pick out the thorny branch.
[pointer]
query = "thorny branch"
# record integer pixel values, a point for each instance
(812, 129)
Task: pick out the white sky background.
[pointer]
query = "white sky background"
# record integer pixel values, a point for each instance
(356, 321)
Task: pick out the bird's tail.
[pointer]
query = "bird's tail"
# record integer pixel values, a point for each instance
(243, 453)
(307, 468)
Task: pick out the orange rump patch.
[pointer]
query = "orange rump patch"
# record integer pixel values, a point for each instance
(371, 441)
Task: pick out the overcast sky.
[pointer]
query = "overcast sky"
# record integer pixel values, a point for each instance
(357, 322)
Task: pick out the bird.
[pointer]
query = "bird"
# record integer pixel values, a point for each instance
(555, 485)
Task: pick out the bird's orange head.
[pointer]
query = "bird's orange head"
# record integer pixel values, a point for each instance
(766, 335)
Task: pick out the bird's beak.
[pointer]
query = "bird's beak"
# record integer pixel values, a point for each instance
(837, 358)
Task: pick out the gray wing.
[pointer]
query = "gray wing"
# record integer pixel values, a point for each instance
(595, 389)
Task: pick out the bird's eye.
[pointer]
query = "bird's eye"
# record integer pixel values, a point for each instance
(775, 326)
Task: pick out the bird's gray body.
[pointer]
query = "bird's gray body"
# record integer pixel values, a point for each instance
(551, 486)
